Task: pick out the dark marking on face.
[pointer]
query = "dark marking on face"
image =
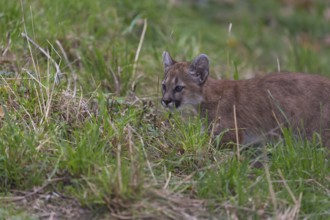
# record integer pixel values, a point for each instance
(177, 103)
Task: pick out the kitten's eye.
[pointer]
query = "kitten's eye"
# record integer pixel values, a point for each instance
(164, 87)
(178, 88)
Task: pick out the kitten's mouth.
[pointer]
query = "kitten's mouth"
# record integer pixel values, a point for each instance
(172, 105)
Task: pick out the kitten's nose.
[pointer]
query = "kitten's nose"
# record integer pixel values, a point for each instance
(166, 102)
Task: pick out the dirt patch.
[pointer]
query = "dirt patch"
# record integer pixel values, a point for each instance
(48, 205)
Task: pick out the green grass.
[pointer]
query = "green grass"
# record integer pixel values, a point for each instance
(82, 128)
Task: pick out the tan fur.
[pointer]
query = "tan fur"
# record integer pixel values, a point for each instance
(263, 105)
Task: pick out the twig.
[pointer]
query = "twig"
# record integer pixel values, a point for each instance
(270, 187)
(57, 67)
(278, 65)
(139, 48)
(134, 165)
(120, 182)
(8, 43)
(216, 121)
(35, 79)
(236, 132)
(287, 187)
(115, 78)
(167, 180)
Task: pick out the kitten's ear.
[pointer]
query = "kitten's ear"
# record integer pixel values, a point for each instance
(167, 61)
(199, 68)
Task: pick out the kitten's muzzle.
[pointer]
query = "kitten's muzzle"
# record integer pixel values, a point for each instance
(166, 102)
(169, 103)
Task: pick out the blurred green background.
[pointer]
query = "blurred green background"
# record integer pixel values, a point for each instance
(100, 38)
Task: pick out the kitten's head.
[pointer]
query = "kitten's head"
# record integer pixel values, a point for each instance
(183, 81)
